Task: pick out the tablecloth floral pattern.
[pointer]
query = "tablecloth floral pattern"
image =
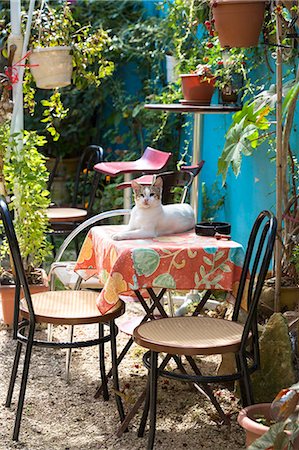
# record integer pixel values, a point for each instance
(183, 261)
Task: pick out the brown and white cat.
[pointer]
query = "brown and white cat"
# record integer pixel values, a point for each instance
(149, 218)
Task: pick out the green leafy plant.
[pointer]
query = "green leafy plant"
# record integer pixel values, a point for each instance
(282, 434)
(56, 27)
(26, 177)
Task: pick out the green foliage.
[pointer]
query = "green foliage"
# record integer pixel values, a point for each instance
(212, 201)
(57, 26)
(281, 435)
(26, 178)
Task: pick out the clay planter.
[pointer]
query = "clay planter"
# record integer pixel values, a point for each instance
(7, 295)
(238, 22)
(253, 429)
(51, 67)
(197, 88)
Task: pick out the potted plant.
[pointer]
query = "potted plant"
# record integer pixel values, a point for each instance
(54, 35)
(238, 22)
(198, 86)
(273, 425)
(25, 176)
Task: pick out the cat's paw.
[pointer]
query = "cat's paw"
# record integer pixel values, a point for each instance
(117, 237)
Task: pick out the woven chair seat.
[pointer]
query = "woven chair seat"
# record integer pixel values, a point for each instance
(69, 308)
(190, 335)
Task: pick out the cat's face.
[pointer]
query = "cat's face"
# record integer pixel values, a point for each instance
(147, 196)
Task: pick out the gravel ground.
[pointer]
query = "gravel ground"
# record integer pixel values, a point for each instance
(61, 416)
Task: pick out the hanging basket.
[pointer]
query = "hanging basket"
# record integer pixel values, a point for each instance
(197, 89)
(238, 22)
(51, 67)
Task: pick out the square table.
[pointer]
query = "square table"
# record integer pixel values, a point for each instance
(178, 262)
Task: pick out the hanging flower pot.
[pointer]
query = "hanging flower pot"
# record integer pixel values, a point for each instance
(198, 87)
(51, 67)
(238, 22)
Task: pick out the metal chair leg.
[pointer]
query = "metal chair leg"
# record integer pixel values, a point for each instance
(170, 303)
(69, 355)
(16, 430)
(245, 382)
(50, 331)
(13, 376)
(119, 359)
(153, 399)
(145, 411)
(102, 364)
(115, 371)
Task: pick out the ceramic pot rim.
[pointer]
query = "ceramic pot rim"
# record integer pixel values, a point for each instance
(47, 49)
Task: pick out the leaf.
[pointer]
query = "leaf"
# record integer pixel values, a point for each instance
(164, 280)
(179, 265)
(202, 271)
(191, 254)
(146, 261)
(225, 268)
(290, 97)
(207, 261)
(217, 278)
(219, 255)
(267, 440)
(196, 279)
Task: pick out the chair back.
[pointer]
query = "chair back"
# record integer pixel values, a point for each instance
(176, 186)
(257, 260)
(87, 179)
(20, 277)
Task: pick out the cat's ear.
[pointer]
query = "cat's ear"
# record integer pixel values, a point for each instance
(158, 183)
(135, 185)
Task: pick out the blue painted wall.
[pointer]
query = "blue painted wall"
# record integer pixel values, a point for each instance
(254, 189)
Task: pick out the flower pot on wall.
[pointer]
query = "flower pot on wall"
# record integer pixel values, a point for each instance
(51, 67)
(197, 89)
(238, 22)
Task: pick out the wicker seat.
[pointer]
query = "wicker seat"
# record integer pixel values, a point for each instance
(60, 308)
(187, 337)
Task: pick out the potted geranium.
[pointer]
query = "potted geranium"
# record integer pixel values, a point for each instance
(198, 86)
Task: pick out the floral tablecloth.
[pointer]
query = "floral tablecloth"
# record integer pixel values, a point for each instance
(182, 262)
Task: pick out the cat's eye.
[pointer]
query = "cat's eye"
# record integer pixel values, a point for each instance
(141, 195)
(152, 194)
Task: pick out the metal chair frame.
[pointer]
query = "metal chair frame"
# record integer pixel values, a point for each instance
(84, 190)
(257, 260)
(24, 331)
(58, 264)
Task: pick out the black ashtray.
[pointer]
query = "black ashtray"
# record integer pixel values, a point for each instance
(211, 228)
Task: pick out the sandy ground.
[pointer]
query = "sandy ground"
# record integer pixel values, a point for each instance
(61, 416)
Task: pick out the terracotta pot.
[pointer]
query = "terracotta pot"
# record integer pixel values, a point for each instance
(253, 429)
(7, 296)
(238, 22)
(51, 67)
(197, 88)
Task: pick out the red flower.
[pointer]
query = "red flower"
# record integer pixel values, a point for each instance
(210, 45)
(220, 63)
(208, 24)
